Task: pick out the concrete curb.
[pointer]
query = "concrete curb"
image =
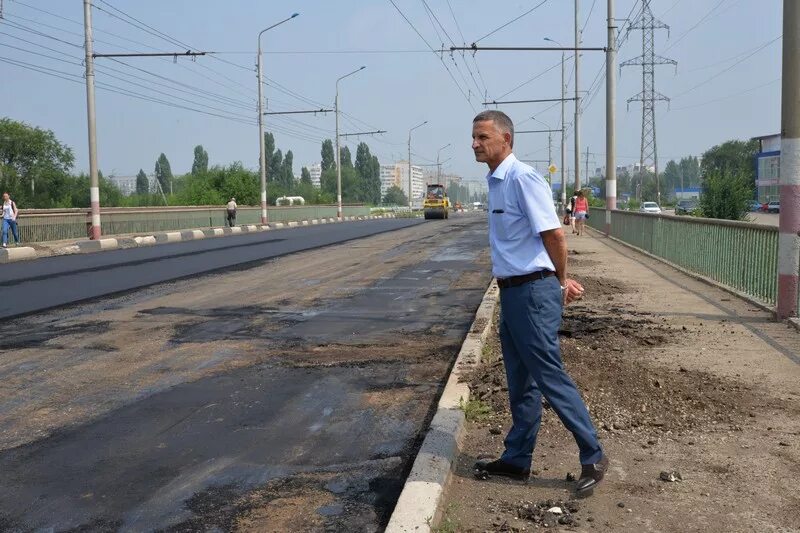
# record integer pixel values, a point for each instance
(96, 246)
(418, 507)
(10, 255)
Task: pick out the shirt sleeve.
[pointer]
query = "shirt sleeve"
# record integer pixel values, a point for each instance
(536, 202)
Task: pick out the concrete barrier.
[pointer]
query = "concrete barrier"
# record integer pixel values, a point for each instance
(252, 228)
(418, 508)
(236, 229)
(97, 245)
(304, 222)
(169, 236)
(278, 225)
(192, 235)
(292, 224)
(215, 232)
(20, 253)
(147, 240)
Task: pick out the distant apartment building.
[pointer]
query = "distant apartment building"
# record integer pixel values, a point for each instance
(396, 174)
(315, 169)
(126, 184)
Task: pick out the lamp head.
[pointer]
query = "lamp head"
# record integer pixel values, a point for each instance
(295, 15)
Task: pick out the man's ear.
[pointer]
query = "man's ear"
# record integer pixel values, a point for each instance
(508, 138)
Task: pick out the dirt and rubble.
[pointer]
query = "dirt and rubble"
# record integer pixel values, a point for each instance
(700, 438)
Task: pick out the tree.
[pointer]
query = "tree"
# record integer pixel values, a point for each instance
(269, 147)
(395, 196)
(200, 165)
(286, 172)
(373, 183)
(731, 157)
(671, 178)
(275, 164)
(34, 165)
(328, 155)
(363, 168)
(164, 173)
(305, 176)
(690, 170)
(345, 158)
(726, 194)
(142, 183)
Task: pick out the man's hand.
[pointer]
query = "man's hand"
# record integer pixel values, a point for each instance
(573, 291)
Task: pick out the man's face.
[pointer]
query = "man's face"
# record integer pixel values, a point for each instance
(489, 143)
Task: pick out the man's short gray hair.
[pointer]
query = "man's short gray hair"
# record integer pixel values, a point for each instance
(500, 119)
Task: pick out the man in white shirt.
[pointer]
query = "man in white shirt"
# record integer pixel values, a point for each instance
(529, 260)
(231, 209)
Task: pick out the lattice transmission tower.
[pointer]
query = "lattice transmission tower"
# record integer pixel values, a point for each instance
(649, 96)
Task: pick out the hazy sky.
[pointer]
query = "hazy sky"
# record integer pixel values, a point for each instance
(727, 83)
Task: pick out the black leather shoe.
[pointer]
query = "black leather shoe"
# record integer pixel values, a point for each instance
(498, 467)
(591, 475)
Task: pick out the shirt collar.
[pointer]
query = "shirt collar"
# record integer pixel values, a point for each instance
(502, 169)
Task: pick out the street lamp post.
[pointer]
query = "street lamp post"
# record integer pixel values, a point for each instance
(410, 205)
(261, 157)
(338, 155)
(438, 165)
(563, 127)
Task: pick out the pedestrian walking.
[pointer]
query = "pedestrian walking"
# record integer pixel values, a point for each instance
(581, 212)
(571, 211)
(231, 209)
(10, 213)
(529, 260)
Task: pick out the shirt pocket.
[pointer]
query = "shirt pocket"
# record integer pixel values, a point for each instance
(500, 223)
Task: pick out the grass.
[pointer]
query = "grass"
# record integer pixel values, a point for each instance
(449, 524)
(475, 410)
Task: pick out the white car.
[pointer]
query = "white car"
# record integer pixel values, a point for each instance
(650, 207)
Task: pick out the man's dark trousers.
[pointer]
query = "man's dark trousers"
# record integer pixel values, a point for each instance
(530, 316)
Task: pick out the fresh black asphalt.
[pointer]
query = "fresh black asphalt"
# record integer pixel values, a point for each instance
(30, 286)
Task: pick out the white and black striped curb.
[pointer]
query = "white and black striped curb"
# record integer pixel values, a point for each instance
(419, 507)
(9, 255)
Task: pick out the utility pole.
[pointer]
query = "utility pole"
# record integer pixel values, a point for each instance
(611, 116)
(563, 136)
(789, 236)
(577, 103)
(262, 163)
(94, 185)
(586, 175)
(549, 157)
(338, 155)
(410, 196)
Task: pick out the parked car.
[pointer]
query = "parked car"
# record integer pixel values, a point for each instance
(756, 206)
(686, 207)
(774, 207)
(650, 207)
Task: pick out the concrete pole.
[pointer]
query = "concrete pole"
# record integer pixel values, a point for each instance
(789, 222)
(410, 206)
(549, 156)
(577, 103)
(262, 163)
(611, 116)
(94, 187)
(338, 155)
(563, 137)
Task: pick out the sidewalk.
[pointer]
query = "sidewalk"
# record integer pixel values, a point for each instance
(681, 378)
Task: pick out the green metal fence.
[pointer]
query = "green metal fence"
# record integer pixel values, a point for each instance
(740, 255)
(39, 225)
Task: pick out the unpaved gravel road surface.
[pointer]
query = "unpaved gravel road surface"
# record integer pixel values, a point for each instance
(285, 395)
(680, 378)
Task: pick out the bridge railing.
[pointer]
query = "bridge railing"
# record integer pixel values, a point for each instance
(739, 255)
(39, 225)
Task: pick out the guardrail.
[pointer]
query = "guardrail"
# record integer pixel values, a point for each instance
(39, 225)
(739, 255)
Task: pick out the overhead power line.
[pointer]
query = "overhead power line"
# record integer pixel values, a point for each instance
(434, 53)
(534, 8)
